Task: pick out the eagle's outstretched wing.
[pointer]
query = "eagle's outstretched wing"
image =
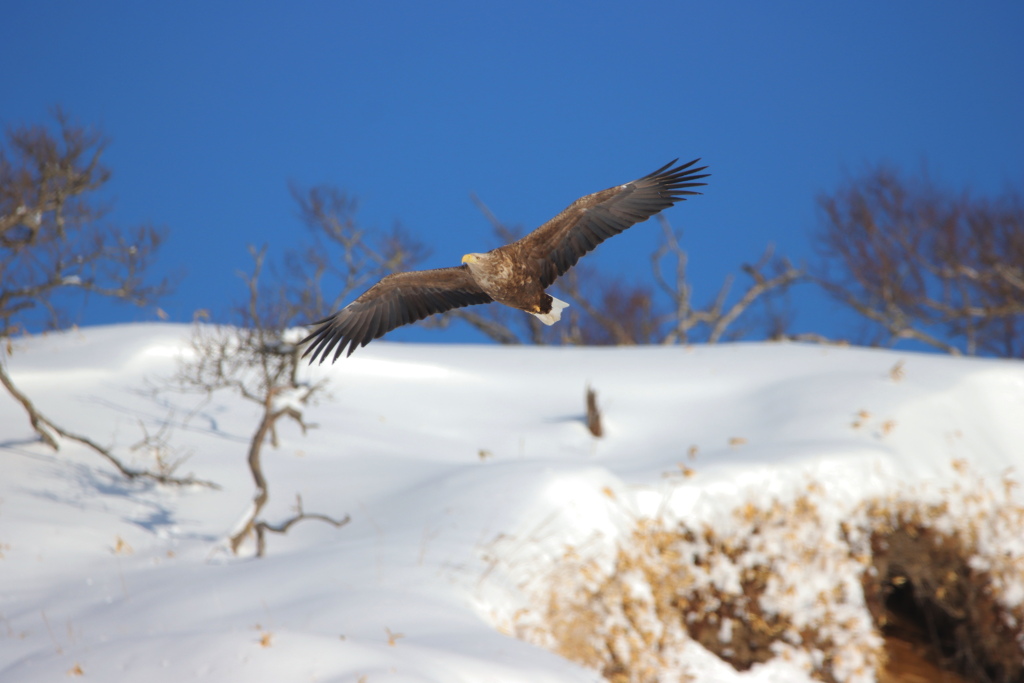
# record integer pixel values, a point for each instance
(556, 246)
(544, 254)
(396, 300)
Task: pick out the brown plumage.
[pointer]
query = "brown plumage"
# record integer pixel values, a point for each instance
(515, 275)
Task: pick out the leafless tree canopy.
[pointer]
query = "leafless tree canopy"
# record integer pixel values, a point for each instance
(54, 238)
(341, 258)
(925, 263)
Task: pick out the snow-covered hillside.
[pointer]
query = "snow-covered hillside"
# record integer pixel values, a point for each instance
(467, 472)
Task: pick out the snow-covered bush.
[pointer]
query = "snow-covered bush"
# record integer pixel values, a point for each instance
(793, 580)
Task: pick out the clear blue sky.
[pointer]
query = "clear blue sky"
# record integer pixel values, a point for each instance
(212, 108)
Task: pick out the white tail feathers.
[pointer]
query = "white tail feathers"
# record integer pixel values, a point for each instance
(555, 314)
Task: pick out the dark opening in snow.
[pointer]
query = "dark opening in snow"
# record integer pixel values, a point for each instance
(939, 618)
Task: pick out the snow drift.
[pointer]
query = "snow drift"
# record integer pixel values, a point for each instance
(468, 472)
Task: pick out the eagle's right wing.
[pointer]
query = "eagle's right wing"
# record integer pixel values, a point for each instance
(398, 299)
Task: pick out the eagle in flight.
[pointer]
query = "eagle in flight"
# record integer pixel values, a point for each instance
(515, 275)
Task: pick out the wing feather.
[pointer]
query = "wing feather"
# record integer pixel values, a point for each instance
(377, 325)
(556, 246)
(396, 300)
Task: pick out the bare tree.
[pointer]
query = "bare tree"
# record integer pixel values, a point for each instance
(925, 263)
(53, 236)
(342, 257)
(55, 243)
(260, 359)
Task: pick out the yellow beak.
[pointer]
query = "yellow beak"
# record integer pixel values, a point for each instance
(469, 258)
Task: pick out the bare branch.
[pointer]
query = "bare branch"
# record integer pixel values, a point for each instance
(761, 286)
(39, 423)
(678, 292)
(48, 431)
(261, 527)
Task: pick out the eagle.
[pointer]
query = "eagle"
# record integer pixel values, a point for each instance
(515, 275)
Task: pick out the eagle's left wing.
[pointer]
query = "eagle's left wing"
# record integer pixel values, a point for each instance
(398, 299)
(556, 246)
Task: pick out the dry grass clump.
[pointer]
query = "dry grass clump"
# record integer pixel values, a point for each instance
(802, 581)
(774, 583)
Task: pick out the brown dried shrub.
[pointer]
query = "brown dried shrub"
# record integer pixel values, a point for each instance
(770, 583)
